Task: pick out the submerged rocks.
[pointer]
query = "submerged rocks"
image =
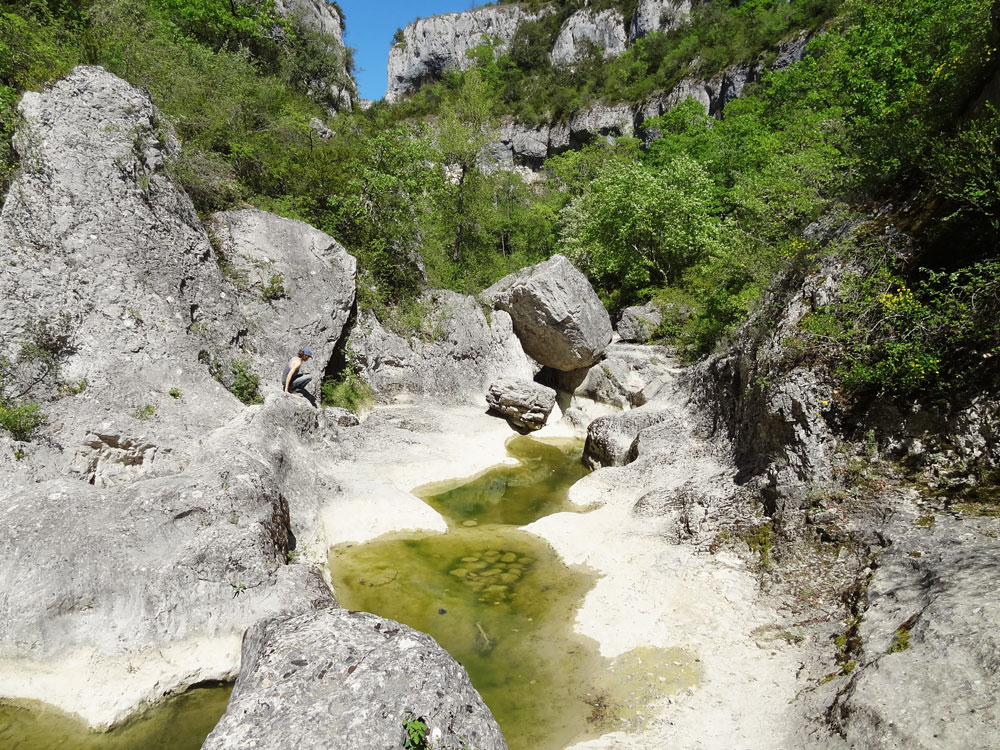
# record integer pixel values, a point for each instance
(335, 679)
(524, 403)
(556, 313)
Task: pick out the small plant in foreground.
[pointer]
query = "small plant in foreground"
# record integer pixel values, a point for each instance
(246, 384)
(175, 393)
(274, 289)
(21, 420)
(146, 412)
(416, 732)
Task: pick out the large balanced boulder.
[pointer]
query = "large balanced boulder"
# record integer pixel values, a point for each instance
(557, 315)
(295, 282)
(524, 403)
(339, 679)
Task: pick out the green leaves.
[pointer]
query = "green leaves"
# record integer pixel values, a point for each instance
(639, 228)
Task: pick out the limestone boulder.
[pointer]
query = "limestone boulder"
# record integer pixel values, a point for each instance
(294, 284)
(927, 668)
(108, 259)
(335, 678)
(556, 313)
(455, 353)
(637, 323)
(112, 596)
(524, 403)
(629, 375)
(610, 439)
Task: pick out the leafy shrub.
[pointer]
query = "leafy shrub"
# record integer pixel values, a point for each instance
(637, 229)
(348, 391)
(22, 420)
(927, 338)
(238, 378)
(245, 383)
(274, 288)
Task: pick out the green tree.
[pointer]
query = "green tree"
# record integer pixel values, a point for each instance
(638, 228)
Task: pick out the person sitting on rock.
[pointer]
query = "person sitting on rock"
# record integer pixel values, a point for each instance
(293, 380)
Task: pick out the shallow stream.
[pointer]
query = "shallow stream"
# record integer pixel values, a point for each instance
(503, 604)
(182, 723)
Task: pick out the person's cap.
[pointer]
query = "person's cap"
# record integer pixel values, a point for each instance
(307, 351)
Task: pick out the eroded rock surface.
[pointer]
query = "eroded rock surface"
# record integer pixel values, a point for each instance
(103, 249)
(556, 313)
(586, 30)
(145, 588)
(524, 403)
(294, 284)
(433, 45)
(457, 352)
(349, 679)
(926, 674)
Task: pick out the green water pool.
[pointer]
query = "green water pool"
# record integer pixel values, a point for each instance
(502, 603)
(181, 723)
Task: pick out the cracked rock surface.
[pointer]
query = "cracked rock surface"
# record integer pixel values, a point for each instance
(335, 678)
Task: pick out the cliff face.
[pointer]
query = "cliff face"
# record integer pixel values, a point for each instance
(337, 91)
(657, 15)
(318, 15)
(530, 145)
(604, 29)
(433, 45)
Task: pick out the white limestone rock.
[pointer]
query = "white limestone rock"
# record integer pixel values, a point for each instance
(524, 403)
(586, 29)
(556, 313)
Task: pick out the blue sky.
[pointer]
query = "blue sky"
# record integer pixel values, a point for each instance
(370, 26)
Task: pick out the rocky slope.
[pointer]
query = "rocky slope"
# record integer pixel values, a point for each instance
(153, 519)
(530, 145)
(432, 45)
